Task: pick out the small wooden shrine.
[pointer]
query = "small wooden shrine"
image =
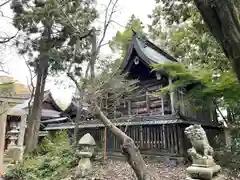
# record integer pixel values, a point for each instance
(155, 123)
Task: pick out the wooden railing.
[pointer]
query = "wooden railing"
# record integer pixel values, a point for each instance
(164, 138)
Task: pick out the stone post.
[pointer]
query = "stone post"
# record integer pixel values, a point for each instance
(87, 145)
(3, 119)
(22, 129)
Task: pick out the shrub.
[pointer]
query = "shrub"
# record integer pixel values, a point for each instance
(53, 162)
(229, 157)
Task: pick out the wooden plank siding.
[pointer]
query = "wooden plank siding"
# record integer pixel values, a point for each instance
(145, 104)
(148, 138)
(164, 139)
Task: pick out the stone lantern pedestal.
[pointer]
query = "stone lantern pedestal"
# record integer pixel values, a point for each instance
(14, 152)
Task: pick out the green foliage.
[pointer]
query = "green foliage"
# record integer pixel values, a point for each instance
(186, 36)
(230, 156)
(178, 27)
(53, 162)
(121, 39)
(51, 27)
(207, 83)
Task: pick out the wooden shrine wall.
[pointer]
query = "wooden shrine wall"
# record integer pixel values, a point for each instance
(143, 102)
(162, 139)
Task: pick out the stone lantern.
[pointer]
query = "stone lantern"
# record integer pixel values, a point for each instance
(86, 145)
(13, 136)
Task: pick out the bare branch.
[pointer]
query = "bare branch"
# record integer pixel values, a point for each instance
(118, 24)
(31, 86)
(2, 69)
(70, 75)
(105, 44)
(77, 46)
(107, 21)
(4, 3)
(7, 39)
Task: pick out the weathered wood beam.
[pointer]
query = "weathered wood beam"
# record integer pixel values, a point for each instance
(147, 102)
(172, 97)
(162, 104)
(129, 108)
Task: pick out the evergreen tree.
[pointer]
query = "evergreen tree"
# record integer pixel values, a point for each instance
(49, 26)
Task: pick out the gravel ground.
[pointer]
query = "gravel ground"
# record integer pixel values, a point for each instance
(119, 170)
(123, 171)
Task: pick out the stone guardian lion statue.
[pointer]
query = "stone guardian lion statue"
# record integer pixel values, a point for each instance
(200, 145)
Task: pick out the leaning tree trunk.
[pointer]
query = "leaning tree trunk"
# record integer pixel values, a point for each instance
(128, 147)
(222, 19)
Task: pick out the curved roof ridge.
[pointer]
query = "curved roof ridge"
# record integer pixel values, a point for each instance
(148, 43)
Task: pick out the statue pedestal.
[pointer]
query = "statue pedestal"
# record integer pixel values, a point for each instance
(203, 173)
(203, 165)
(15, 153)
(220, 177)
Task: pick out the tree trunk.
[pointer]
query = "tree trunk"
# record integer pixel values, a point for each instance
(38, 122)
(77, 121)
(93, 54)
(222, 19)
(128, 147)
(34, 119)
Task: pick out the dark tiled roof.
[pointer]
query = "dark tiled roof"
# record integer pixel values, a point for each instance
(148, 52)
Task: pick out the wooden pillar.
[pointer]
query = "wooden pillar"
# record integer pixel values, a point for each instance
(164, 137)
(162, 104)
(129, 108)
(22, 129)
(115, 111)
(181, 147)
(141, 137)
(172, 101)
(147, 103)
(3, 120)
(105, 144)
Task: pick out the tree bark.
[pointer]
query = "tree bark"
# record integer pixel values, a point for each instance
(77, 122)
(129, 149)
(34, 119)
(222, 19)
(39, 113)
(93, 54)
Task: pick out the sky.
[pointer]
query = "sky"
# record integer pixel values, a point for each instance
(16, 67)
